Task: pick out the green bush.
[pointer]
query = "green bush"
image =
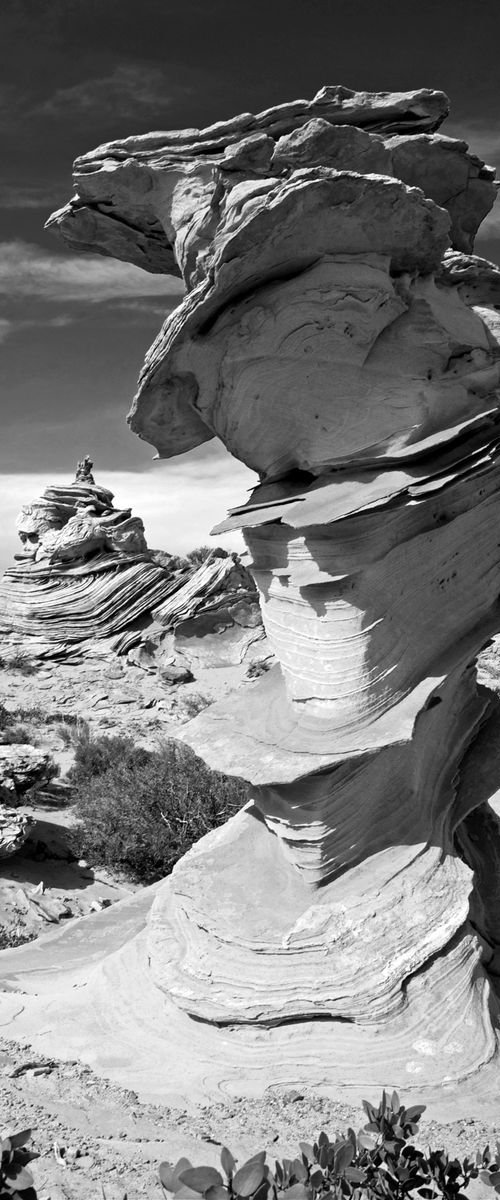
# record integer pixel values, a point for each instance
(15, 1180)
(140, 810)
(378, 1163)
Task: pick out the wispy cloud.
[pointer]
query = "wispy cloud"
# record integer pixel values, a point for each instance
(29, 196)
(10, 327)
(27, 270)
(6, 328)
(131, 89)
(132, 313)
(143, 311)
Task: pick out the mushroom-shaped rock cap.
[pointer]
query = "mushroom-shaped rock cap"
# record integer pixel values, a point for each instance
(115, 210)
(249, 203)
(289, 249)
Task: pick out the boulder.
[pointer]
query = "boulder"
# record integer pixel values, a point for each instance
(22, 767)
(15, 828)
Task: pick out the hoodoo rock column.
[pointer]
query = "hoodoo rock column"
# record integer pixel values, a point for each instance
(341, 339)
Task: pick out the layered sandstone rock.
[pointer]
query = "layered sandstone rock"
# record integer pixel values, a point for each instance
(84, 571)
(333, 342)
(212, 620)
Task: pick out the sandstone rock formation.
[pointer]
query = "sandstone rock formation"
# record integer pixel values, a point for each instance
(346, 917)
(85, 572)
(212, 620)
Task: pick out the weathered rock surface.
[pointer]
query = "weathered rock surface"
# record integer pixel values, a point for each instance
(212, 193)
(22, 767)
(84, 571)
(170, 672)
(212, 620)
(121, 185)
(14, 830)
(345, 921)
(85, 574)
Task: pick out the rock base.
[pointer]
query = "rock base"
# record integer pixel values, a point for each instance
(102, 989)
(101, 1006)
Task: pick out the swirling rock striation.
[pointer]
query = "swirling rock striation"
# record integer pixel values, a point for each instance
(85, 574)
(340, 337)
(213, 619)
(84, 571)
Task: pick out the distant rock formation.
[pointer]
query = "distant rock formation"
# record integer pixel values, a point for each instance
(344, 927)
(75, 524)
(85, 572)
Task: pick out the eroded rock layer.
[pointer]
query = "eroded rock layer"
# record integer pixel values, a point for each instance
(341, 339)
(84, 570)
(85, 574)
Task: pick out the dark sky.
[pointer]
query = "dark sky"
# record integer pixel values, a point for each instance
(75, 73)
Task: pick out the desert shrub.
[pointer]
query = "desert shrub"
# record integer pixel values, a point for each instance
(96, 755)
(5, 717)
(17, 733)
(20, 661)
(21, 735)
(169, 562)
(42, 716)
(65, 733)
(140, 810)
(10, 939)
(23, 724)
(378, 1163)
(200, 554)
(191, 705)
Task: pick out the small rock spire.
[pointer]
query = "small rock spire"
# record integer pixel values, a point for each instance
(84, 471)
